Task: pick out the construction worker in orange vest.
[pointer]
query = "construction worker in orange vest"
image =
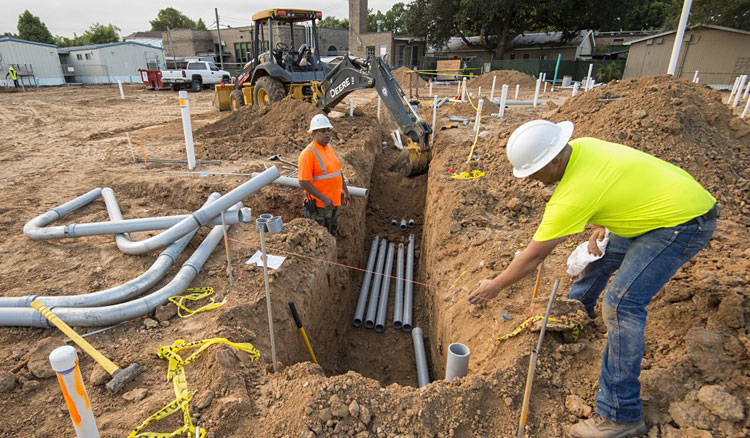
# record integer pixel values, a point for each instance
(319, 174)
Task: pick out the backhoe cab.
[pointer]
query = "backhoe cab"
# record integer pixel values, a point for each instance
(277, 69)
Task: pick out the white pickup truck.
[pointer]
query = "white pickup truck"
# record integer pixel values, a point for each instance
(196, 76)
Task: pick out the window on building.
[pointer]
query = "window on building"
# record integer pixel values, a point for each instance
(243, 51)
(525, 56)
(79, 57)
(88, 56)
(370, 52)
(542, 57)
(400, 60)
(512, 56)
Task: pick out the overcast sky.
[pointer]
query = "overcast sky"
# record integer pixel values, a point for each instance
(65, 17)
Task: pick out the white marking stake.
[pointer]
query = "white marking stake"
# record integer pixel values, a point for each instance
(187, 128)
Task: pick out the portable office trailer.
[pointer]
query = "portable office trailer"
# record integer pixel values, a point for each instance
(109, 63)
(37, 64)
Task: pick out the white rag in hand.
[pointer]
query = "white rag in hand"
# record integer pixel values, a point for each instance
(580, 257)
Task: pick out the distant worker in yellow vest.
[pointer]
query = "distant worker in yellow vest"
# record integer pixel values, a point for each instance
(319, 174)
(658, 218)
(13, 75)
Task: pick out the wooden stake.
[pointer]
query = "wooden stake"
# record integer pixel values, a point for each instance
(143, 150)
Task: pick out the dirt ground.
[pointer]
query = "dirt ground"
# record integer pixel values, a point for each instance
(60, 143)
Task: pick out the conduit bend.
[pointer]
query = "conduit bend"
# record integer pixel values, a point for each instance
(200, 217)
(113, 314)
(35, 228)
(119, 293)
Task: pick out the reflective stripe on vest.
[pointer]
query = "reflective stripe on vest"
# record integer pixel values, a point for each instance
(325, 174)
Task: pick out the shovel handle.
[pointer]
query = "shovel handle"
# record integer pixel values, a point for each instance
(295, 315)
(107, 364)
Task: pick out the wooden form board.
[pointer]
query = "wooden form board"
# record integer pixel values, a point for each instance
(453, 67)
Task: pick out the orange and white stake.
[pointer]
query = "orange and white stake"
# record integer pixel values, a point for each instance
(64, 361)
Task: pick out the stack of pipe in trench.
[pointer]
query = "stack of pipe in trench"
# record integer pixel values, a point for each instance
(374, 292)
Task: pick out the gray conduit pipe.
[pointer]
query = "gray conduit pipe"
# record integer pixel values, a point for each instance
(34, 228)
(398, 300)
(423, 376)
(117, 294)
(408, 287)
(386, 286)
(200, 217)
(113, 314)
(293, 182)
(359, 312)
(372, 307)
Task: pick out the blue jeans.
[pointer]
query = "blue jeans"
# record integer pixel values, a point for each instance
(645, 264)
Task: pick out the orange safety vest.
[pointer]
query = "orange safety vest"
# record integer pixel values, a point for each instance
(320, 165)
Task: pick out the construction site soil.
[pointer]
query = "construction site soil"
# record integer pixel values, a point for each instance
(63, 142)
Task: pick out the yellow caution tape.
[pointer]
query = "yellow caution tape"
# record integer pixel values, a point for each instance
(176, 373)
(577, 327)
(474, 174)
(200, 293)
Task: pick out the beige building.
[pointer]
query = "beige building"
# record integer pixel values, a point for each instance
(719, 54)
(396, 50)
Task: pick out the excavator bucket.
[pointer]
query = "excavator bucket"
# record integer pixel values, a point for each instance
(412, 160)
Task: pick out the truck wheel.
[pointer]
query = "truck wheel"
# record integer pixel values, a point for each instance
(196, 86)
(175, 87)
(268, 90)
(236, 100)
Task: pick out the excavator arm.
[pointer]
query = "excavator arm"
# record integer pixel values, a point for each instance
(353, 74)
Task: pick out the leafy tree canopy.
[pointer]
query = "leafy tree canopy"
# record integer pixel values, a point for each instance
(393, 19)
(171, 18)
(332, 22)
(96, 34)
(31, 28)
(729, 13)
(200, 25)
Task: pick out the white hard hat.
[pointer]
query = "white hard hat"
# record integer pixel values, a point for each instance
(320, 121)
(534, 144)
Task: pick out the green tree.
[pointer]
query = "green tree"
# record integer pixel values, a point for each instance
(171, 18)
(393, 19)
(729, 13)
(101, 34)
(332, 22)
(200, 25)
(62, 41)
(31, 28)
(496, 23)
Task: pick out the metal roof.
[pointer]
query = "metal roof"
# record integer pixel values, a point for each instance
(528, 40)
(710, 26)
(18, 40)
(64, 50)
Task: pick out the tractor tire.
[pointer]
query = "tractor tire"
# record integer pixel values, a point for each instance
(268, 90)
(236, 100)
(196, 86)
(175, 87)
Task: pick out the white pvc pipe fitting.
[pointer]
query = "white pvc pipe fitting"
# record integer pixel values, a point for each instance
(518, 88)
(187, 128)
(457, 363)
(122, 93)
(64, 361)
(503, 100)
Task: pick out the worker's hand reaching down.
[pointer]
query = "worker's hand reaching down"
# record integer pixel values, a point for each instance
(598, 234)
(485, 292)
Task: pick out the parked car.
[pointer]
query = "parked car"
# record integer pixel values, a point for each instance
(196, 76)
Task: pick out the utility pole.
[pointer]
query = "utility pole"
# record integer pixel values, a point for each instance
(218, 30)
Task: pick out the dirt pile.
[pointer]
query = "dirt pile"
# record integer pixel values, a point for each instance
(404, 77)
(510, 77)
(676, 120)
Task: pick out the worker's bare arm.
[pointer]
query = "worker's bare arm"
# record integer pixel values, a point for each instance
(345, 189)
(521, 266)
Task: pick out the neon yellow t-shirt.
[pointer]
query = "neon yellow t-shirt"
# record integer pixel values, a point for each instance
(626, 190)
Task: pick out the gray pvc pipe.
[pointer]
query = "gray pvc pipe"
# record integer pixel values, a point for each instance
(423, 375)
(372, 306)
(398, 300)
(359, 312)
(386, 286)
(200, 217)
(359, 192)
(117, 294)
(34, 228)
(457, 362)
(408, 287)
(134, 225)
(113, 314)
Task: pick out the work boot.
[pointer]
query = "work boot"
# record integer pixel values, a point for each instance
(600, 427)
